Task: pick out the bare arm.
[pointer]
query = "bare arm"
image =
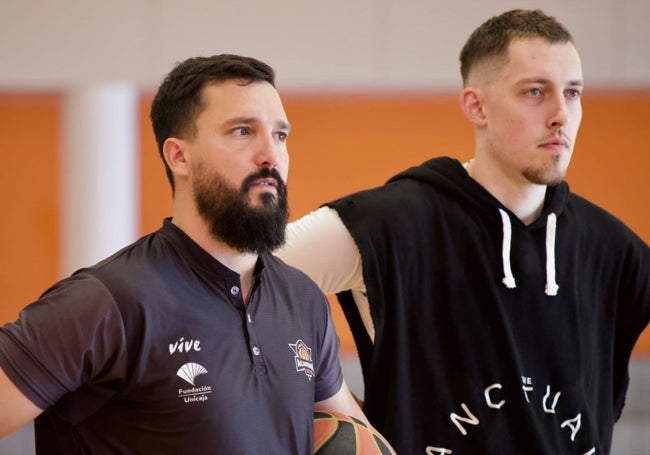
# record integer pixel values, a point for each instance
(320, 245)
(16, 410)
(344, 402)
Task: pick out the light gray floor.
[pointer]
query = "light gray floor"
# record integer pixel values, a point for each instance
(631, 435)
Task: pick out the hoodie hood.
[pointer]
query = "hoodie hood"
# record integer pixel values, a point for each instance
(448, 175)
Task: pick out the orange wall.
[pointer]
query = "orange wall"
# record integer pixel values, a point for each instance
(338, 144)
(29, 131)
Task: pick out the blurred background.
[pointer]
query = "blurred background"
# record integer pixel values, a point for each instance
(370, 87)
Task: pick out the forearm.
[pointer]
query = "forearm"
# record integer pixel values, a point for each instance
(16, 410)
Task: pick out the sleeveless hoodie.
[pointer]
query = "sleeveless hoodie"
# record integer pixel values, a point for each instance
(493, 337)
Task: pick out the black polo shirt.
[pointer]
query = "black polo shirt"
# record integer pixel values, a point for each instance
(153, 351)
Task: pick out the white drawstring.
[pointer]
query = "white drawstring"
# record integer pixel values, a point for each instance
(508, 278)
(551, 285)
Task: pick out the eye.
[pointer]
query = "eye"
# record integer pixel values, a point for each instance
(282, 136)
(242, 131)
(573, 93)
(535, 91)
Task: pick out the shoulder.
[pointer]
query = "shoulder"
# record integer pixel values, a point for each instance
(136, 266)
(597, 225)
(287, 275)
(591, 214)
(81, 286)
(80, 302)
(417, 188)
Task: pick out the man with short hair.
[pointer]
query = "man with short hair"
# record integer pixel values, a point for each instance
(493, 310)
(194, 339)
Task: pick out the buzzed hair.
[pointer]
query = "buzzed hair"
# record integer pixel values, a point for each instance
(492, 38)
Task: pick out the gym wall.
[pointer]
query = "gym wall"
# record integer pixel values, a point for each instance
(339, 143)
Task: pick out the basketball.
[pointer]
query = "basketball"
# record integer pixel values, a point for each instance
(339, 434)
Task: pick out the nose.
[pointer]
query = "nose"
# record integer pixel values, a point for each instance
(559, 113)
(269, 151)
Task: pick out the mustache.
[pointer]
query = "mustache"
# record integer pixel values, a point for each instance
(267, 172)
(559, 135)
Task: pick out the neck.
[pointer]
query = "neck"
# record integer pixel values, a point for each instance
(242, 263)
(524, 199)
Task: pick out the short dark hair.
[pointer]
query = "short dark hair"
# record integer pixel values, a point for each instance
(178, 102)
(492, 38)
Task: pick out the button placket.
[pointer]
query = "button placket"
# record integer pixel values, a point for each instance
(253, 341)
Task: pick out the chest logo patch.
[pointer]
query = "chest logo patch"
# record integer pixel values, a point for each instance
(303, 358)
(190, 371)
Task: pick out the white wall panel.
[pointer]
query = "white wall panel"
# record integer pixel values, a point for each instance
(633, 27)
(593, 25)
(310, 44)
(70, 42)
(425, 39)
(335, 45)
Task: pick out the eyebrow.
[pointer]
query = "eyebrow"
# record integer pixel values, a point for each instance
(252, 120)
(538, 80)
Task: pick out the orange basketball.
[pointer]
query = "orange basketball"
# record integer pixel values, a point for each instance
(339, 434)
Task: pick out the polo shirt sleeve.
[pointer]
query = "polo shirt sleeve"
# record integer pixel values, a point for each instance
(329, 377)
(73, 335)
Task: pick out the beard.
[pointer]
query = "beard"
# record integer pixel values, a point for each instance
(551, 175)
(233, 221)
(543, 178)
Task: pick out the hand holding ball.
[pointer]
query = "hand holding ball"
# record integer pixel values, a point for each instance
(339, 434)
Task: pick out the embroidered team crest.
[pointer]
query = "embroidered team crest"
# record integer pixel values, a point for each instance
(303, 358)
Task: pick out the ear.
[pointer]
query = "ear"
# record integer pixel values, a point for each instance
(174, 152)
(471, 103)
